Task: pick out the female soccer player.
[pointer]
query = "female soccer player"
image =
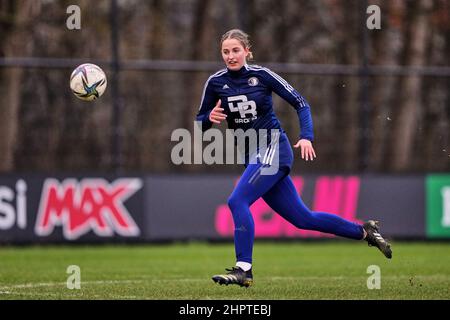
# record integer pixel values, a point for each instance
(242, 94)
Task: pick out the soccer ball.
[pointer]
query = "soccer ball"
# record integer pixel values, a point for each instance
(88, 82)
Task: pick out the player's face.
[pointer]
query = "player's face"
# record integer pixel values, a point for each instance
(234, 54)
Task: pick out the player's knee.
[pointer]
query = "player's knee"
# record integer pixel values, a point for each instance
(236, 202)
(307, 220)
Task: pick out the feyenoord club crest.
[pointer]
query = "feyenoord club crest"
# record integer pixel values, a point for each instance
(253, 81)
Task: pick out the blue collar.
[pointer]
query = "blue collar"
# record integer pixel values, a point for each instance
(239, 72)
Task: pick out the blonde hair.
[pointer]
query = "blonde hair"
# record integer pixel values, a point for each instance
(241, 36)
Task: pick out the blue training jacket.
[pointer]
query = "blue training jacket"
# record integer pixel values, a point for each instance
(246, 97)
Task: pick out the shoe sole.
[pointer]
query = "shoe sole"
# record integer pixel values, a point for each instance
(221, 281)
(387, 251)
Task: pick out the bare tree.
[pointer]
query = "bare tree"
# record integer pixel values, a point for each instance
(387, 48)
(17, 18)
(406, 118)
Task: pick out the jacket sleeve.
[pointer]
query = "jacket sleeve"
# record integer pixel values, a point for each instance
(208, 101)
(282, 88)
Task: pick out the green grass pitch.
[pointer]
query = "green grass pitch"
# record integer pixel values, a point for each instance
(294, 270)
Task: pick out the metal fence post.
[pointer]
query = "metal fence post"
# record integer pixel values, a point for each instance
(116, 130)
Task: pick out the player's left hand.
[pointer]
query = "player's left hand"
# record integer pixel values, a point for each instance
(306, 149)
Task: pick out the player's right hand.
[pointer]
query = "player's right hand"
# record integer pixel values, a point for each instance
(217, 115)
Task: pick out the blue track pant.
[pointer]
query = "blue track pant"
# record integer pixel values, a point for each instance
(279, 193)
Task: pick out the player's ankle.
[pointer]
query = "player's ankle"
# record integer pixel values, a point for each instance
(365, 234)
(244, 265)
